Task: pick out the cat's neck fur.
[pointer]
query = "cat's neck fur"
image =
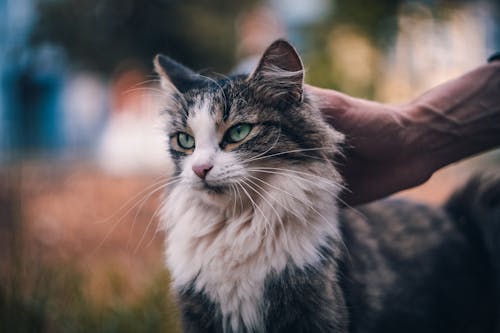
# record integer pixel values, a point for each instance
(227, 249)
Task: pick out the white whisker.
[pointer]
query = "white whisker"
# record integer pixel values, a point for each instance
(151, 90)
(297, 175)
(242, 206)
(322, 179)
(278, 202)
(280, 220)
(255, 206)
(145, 82)
(173, 180)
(147, 229)
(157, 181)
(256, 158)
(234, 196)
(298, 200)
(269, 225)
(300, 218)
(115, 225)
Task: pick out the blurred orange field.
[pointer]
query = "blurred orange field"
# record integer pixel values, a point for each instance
(91, 219)
(79, 219)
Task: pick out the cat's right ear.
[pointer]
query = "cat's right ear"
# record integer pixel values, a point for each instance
(175, 77)
(279, 77)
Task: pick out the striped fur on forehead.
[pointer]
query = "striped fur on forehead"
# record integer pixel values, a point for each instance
(234, 100)
(213, 92)
(178, 118)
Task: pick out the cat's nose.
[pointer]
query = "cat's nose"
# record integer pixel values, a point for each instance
(201, 170)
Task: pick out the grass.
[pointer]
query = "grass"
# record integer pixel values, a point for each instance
(54, 299)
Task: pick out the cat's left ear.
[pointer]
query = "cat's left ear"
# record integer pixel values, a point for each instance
(279, 77)
(175, 77)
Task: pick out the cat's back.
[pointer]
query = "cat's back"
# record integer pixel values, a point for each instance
(413, 268)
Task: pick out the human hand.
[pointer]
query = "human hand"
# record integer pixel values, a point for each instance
(378, 158)
(390, 148)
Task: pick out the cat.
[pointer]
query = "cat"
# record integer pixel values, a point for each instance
(255, 238)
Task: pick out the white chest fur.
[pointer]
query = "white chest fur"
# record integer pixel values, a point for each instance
(231, 248)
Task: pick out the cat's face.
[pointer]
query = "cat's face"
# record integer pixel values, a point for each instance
(231, 135)
(211, 143)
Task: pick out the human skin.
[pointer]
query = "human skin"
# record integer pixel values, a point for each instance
(390, 148)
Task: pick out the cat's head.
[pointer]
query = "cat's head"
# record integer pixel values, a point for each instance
(232, 133)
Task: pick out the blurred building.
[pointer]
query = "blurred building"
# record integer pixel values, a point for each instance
(49, 109)
(133, 139)
(31, 86)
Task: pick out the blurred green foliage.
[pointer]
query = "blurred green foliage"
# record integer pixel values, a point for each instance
(98, 34)
(52, 299)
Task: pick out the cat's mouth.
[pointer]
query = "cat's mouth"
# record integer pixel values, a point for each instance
(213, 188)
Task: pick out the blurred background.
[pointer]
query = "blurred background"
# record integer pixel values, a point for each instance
(82, 159)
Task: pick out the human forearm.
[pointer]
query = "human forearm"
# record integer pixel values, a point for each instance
(459, 118)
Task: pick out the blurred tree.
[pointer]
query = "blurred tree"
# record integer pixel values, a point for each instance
(98, 34)
(376, 22)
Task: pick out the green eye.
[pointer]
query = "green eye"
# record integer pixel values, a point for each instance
(238, 132)
(184, 140)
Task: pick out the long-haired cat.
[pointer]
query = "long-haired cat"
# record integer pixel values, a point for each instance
(256, 241)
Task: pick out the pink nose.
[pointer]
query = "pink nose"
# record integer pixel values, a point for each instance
(201, 170)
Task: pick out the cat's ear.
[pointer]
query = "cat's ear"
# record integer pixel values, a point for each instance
(279, 76)
(176, 77)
